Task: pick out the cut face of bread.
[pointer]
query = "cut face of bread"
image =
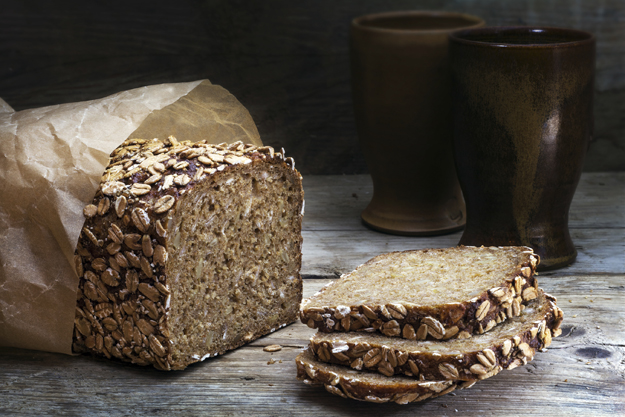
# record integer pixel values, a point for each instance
(507, 346)
(428, 294)
(367, 386)
(188, 250)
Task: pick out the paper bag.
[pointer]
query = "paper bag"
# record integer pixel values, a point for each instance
(51, 162)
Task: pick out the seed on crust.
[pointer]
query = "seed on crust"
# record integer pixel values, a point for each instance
(357, 364)
(526, 271)
(103, 206)
(164, 204)
(372, 357)
(485, 361)
(397, 311)
(408, 332)
(390, 328)
(111, 188)
(369, 313)
(110, 277)
(385, 368)
(451, 332)
(422, 333)
(434, 327)
(120, 206)
(90, 210)
(160, 230)
(529, 293)
(478, 369)
(91, 236)
(141, 219)
(146, 246)
(153, 179)
(132, 241)
(482, 310)
(448, 371)
(413, 367)
(149, 291)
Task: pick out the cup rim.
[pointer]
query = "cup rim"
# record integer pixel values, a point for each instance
(472, 21)
(583, 37)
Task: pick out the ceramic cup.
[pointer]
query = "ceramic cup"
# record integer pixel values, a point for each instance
(522, 123)
(401, 88)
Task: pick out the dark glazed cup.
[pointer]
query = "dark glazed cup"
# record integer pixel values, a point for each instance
(522, 124)
(401, 88)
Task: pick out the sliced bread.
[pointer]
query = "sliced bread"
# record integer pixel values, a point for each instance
(509, 345)
(428, 294)
(368, 386)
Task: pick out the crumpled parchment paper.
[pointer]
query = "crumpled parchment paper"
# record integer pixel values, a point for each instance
(51, 162)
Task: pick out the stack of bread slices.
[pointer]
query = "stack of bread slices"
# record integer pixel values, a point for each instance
(407, 326)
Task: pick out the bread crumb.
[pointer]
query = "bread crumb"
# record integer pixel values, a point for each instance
(271, 361)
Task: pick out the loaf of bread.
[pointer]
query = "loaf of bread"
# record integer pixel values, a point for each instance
(369, 386)
(428, 294)
(188, 250)
(507, 346)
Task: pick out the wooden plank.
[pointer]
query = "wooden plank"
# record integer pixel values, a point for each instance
(582, 373)
(335, 202)
(288, 62)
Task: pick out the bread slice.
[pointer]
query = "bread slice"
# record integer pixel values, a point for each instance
(507, 346)
(188, 250)
(368, 386)
(427, 294)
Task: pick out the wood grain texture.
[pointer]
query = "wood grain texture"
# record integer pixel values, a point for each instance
(582, 373)
(286, 61)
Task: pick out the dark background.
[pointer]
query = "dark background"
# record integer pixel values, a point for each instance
(286, 61)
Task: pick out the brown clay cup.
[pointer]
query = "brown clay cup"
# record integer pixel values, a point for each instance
(522, 124)
(401, 86)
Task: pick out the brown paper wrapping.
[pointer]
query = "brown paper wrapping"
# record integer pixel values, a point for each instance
(51, 162)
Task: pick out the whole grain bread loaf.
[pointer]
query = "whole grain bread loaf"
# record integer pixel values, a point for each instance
(369, 386)
(428, 294)
(188, 250)
(507, 346)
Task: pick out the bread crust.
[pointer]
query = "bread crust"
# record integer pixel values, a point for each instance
(422, 322)
(124, 295)
(454, 362)
(363, 386)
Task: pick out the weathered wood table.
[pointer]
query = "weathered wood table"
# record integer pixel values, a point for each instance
(583, 372)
